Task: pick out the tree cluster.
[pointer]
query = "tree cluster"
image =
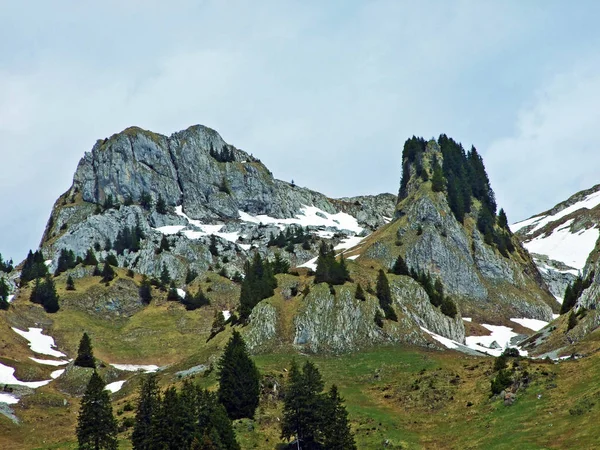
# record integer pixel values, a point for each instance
(435, 291)
(291, 237)
(574, 290)
(66, 261)
(315, 419)
(188, 418)
(33, 267)
(195, 301)
(411, 154)
(224, 155)
(259, 283)
(384, 295)
(128, 239)
(329, 269)
(44, 293)
(6, 266)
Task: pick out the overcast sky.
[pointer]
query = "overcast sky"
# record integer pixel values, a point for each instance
(324, 92)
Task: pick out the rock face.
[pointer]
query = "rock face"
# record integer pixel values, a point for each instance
(209, 188)
(427, 235)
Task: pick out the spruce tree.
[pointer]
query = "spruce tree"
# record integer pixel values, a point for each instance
(108, 273)
(165, 277)
(400, 267)
(161, 205)
(336, 429)
(145, 416)
(96, 425)
(70, 283)
(359, 294)
(385, 296)
(238, 379)
(145, 290)
(4, 291)
(438, 182)
(85, 353)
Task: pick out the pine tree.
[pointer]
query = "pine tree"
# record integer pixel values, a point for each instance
(161, 205)
(385, 296)
(90, 258)
(572, 323)
(4, 291)
(336, 429)
(85, 353)
(400, 267)
(238, 379)
(147, 409)
(218, 324)
(503, 220)
(173, 295)
(212, 248)
(165, 277)
(195, 301)
(146, 201)
(190, 276)
(359, 294)
(145, 290)
(96, 425)
(438, 182)
(70, 283)
(108, 273)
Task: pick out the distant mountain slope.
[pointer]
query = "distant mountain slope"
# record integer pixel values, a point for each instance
(563, 238)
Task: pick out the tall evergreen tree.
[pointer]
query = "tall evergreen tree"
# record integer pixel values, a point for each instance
(400, 267)
(165, 277)
(85, 353)
(4, 291)
(161, 205)
(438, 182)
(385, 296)
(336, 429)
(96, 425)
(239, 379)
(259, 283)
(108, 273)
(145, 290)
(70, 283)
(147, 409)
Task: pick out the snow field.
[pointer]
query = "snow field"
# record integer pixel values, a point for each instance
(39, 343)
(147, 368)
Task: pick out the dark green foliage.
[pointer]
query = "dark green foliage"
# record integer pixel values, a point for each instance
(572, 321)
(66, 261)
(146, 201)
(212, 247)
(108, 273)
(224, 186)
(148, 406)
(4, 292)
(239, 379)
(400, 267)
(85, 353)
(6, 266)
(109, 202)
(259, 283)
(107, 245)
(384, 295)
(195, 301)
(165, 277)
(218, 324)
(96, 425)
(329, 270)
(574, 290)
(173, 295)
(97, 272)
(336, 429)
(448, 307)
(224, 155)
(44, 293)
(33, 267)
(435, 292)
(112, 260)
(128, 238)
(359, 294)
(378, 319)
(412, 152)
(190, 276)
(292, 236)
(128, 200)
(70, 283)
(280, 265)
(145, 290)
(501, 381)
(438, 182)
(90, 258)
(161, 205)
(502, 220)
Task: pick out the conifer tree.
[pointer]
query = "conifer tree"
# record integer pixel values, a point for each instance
(212, 248)
(195, 301)
(218, 324)
(173, 295)
(108, 273)
(96, 425)
(165, 277)
(503, 220)
(385, 296)
(359, 294)
(400, 267)
(336, 429)
(147, 409)
(70, 283)
(438, 182)
(190, 276)
(238, 379)
(161, 205)
(145, 290)
(85, 353)
(4, 291)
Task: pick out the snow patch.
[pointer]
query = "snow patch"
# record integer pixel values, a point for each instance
(39, 343)
(226, 314)
(49, 362)
(7, 376)
(532, 324)
(10, 298)
(181, 293)
(555, 316)
(348, 243)
(9, 399)
(114, 387)
(448, 343)
(170, 229)
(353, 257)
(572, 249)
(147, 368)
(467, 319)
(57, 373)
(48, 262)
(312, 264)
(501, 335)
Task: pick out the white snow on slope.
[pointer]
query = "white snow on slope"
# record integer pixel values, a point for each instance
(7, 376)
(500, 334)
(348, 243)
(467, 319)
(147, 368)
(448, 343)
(353, 257)
(532, 324)
(308, 216)
(8, 399)
(170, 229)
(181, 293)
(49, 362)
(226, 314)
(39, 343)
(569, 248)
(57, 373)
(115, 387)
(10, 298)
(312, 264)
(589, 202)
